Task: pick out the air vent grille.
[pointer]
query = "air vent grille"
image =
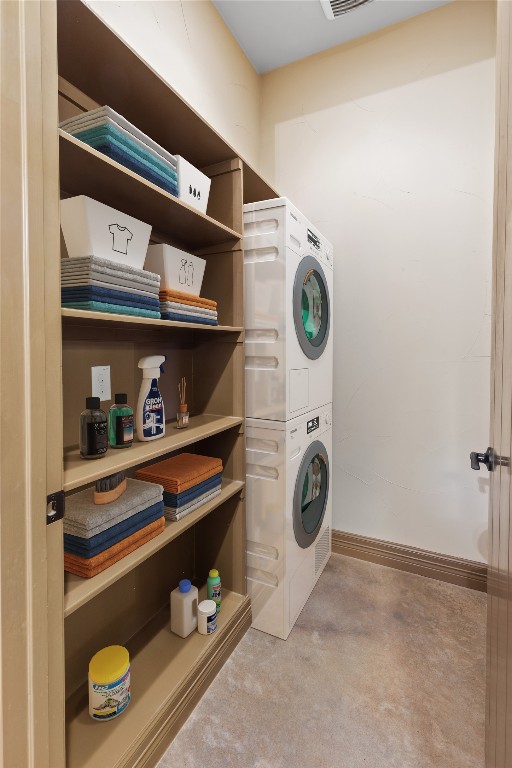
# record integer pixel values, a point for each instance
(322, 549)
(335, 8)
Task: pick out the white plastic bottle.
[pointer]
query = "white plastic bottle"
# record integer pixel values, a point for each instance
(150, 416)
(184, 608)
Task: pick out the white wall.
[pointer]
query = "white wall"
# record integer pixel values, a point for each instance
(191, 48)
(387, 145)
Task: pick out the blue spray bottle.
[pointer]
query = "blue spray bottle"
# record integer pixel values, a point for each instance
(150, 416)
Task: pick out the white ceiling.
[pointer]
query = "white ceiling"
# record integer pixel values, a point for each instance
(273, 33)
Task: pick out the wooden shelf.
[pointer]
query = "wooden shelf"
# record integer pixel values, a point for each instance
(78, 591)
(85, 171)
(162, 665)
(127, 322)
(79, 472)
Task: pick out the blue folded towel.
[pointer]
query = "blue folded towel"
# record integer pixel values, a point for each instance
(189, 319)
(95, 293)
(112, 309)
(119, 139)
(179, 499)
(96, 544)
(122, 157)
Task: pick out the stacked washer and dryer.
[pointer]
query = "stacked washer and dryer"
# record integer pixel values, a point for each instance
(289, 368)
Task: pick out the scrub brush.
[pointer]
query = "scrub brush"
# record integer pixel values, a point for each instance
(110, 488)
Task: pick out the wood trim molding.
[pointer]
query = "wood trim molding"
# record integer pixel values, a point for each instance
(454, 570)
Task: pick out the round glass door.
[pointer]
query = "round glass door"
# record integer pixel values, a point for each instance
(311, 307)
(311, 492)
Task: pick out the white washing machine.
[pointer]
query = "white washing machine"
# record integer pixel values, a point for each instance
(288, 312)
(289, 515)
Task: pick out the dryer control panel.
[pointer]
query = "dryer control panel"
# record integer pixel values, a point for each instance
(319, 247)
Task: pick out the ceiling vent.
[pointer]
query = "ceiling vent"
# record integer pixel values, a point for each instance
(335, 8)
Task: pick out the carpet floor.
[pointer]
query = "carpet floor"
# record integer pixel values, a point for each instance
(383, 669)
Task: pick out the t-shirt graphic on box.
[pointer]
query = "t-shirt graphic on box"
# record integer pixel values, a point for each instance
(121, 236)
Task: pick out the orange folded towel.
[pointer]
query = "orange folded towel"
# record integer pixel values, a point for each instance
(179, 473)
(88, 567)
(187, 298)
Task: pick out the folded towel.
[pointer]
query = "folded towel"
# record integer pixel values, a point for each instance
(110, 267)
(177, 499)
(106, 111)
(175, 515)
(81, 567)
(188, 319)
(112, 309)
(82, 514)
(187, 298)
(130, 145)
(183, 309)
(116, 285)
(181, 472)
(111, 536)
(202, 497)
(88, 123)
(108, 148)
(88, 293)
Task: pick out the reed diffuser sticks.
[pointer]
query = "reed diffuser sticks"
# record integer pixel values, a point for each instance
(182, 415)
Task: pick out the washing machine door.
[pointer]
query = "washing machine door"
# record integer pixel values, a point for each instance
(311, 308)
(311, 494)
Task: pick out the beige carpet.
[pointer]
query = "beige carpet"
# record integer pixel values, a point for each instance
(382, 670)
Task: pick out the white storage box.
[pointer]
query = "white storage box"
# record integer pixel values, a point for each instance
(93, 229)
(193, 186)
(178, 270)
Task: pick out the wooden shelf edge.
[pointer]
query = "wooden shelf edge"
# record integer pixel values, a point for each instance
(152, 724)
(83, 147)
(85, 317)
(80, 472)
(79, 591)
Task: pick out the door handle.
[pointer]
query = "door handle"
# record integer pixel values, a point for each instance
(489, 458)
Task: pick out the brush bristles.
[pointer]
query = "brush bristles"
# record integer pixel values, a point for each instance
(110, 482)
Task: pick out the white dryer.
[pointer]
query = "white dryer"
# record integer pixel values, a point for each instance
(289, 515)
(288, 280)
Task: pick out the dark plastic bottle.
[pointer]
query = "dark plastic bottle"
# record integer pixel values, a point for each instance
(93, 430)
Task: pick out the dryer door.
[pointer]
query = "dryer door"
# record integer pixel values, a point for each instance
(311, 308)
(311, 494)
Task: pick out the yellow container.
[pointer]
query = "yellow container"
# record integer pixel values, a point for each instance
(109, 682)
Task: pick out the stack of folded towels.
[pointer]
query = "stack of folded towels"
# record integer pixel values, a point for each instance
(114, 136)
(184, 307)
(188, 480)
(101, 285)
(98, 535)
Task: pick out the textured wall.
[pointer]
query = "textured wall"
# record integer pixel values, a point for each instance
(189, 45)
(387, 145)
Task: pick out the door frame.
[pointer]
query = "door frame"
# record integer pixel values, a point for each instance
(31, 575)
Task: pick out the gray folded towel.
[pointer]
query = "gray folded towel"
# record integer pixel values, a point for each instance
(94, 262)
(118, 283)
(84, 518)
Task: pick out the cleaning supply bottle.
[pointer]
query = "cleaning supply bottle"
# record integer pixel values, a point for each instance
(213, 588)
(93, 438)
(150, 416)
(184, 601)
(120, 423)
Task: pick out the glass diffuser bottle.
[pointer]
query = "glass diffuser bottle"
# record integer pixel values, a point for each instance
(183, 414)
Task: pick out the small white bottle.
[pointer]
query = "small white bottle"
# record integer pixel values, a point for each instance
(184, 608)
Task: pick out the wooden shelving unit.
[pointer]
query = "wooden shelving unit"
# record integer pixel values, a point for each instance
(81, 317)
(78, 472)
(128, 603)
(163, 668)
(79, 591)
